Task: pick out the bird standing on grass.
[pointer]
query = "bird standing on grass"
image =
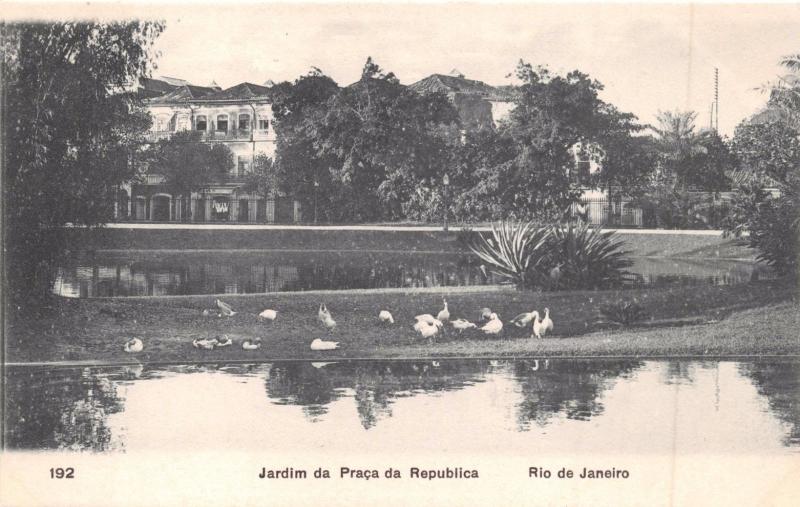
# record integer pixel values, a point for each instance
(205, 343)
(133, 345)
(225, 341)
(253, 344)
(524, 319)
(225, 308)
(319, 344)
(494, 326)
(462, 324)
(547, 322)
(537, 327)
(269, 315)
(325, 317)
(386, 317)
(444, 315)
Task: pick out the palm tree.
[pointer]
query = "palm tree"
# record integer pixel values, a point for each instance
(677, 142)
(784, 94)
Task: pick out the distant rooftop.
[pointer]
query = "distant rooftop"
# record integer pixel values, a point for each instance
(455, 82)
(189, 93)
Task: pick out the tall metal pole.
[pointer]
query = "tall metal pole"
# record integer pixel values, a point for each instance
(716, 98)
(446, 182)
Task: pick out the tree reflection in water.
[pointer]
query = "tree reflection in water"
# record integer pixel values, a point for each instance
(779, 382)
(375, 384)
(573, 387)
(67, 408)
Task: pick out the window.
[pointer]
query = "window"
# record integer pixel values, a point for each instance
(200, 123)
(263, 124)
(244, 122)
(222, 123)
(244, 165)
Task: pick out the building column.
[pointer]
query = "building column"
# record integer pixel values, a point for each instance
(207, 200)
(173, 213)
(130, 206)
(233, 211)
(298, 213)
(269, 210)
(193, 208)
(252, 209)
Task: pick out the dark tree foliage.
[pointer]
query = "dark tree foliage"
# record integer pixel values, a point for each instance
(769, 157)
(368, 145)
(69, 130)
(262, 180)
(188, 164)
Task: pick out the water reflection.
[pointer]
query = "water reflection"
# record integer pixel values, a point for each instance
(478, 405)
(191, 272)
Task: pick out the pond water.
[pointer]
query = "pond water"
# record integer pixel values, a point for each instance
(230, 272)
(515, 407)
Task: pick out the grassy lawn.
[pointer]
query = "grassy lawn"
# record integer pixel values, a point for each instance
(748, 319)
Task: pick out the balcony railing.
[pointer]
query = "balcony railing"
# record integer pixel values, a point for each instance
(213, 135)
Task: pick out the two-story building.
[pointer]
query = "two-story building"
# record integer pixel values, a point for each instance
(241, 118)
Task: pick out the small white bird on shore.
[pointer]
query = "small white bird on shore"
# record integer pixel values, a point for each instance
(205, 343)
(494, 326)
(444, 315)
(319, 344)
(321, 364)
(524, 319)
(462, 324)
(133, 345)
(426, 318)
(428, 330)
(225, 308)
(254, 344)
(269, 315)
(325, 317)
(225, 341)
(547, 322)
(537, 327)
(386, 317)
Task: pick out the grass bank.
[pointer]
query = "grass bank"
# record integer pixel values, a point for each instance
(749, 319)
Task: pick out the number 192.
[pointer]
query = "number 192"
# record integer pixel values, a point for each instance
(62, 473)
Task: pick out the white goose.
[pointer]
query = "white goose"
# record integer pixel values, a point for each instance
(225, 341)
(268, 314)
(133, 345)
(537, 326)
(426, 318)
(462, 324)
(428, 330)
(494, 326)
(254, 344)
(444, 315)
(547, 322)
(325, 317)
(319, 344)
(386, 317)
(524, 319)
(205, 343)
(225, 308)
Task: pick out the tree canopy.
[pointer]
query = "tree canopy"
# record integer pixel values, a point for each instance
(69, 127)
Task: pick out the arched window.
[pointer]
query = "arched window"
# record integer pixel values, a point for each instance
(201, 123)
(244, 122)
(222, 123)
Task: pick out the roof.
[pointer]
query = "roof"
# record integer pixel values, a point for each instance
(459, 84)
(149, 87)
(240, 91)
(184, 93)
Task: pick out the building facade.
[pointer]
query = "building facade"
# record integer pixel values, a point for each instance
(240, 117)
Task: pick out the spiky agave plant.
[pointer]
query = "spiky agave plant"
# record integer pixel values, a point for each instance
(514, 251)
(589, 258)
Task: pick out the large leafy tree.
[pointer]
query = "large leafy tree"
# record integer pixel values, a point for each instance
(300, 169)
(68, 132)
(769, 157)
(187, 164)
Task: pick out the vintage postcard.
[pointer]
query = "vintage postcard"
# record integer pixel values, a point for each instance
(400, 254)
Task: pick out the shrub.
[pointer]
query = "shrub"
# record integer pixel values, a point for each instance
(622, 313)
(587, 257)
(527, 255)
(514, 251)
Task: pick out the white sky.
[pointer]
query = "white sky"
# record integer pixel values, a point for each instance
(648, 57)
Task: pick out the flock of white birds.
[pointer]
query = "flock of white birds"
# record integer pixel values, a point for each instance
(426, 325)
